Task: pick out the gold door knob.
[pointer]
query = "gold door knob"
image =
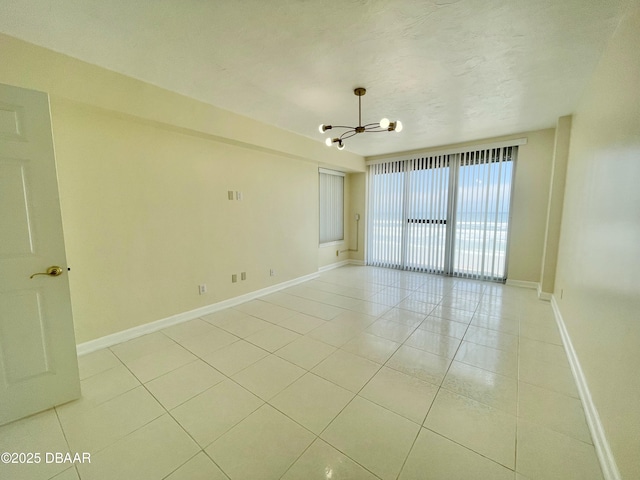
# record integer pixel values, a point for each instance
(51, 271)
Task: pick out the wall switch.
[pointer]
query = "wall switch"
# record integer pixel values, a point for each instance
(230, 194)
(272, 273)
(243, 276)
(234, 278)
(238, 195)
(202, 289)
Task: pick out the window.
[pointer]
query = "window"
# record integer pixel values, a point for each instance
(331, 206)
(443, 213)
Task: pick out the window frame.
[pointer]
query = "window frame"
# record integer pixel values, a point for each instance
(327, 238)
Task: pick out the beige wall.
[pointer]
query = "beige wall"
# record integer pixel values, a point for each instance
(597, 282)
(357, 205)
(531, 194)
(144, 175)
(554, 206)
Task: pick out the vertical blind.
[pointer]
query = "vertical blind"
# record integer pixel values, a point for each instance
(442, 214)
(331, 206)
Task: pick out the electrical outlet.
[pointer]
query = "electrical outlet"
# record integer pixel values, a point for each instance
(238, 195)
(202, 289)
(272, 273)
(234, 278)
(230, 194)
(337, 253)
(243, 276)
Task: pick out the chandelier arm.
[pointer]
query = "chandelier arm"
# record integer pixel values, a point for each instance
(348, 134)
(343, 126)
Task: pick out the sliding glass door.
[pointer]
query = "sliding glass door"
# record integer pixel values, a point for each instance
(427, 218)
(442, 214)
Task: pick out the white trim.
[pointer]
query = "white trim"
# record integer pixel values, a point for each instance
(334, 265)
(449, 151)
(331, 172)
(360, 263)
(603, 450)
(332, 242)
(544, 296)
(131, 333)
(522, 284)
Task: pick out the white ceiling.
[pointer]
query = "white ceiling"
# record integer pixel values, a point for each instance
(451, 70)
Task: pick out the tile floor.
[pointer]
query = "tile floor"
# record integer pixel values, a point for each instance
(363, 373)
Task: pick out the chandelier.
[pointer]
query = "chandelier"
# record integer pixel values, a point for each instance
(383, 126)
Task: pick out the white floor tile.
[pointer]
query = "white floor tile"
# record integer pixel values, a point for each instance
(420, 364)
(141, 346)
(208, 342)
(434, 343)
(401, 393)
(486, 387)
(159, 362)
(553, 410)
(38, 433)
(544, 453)
(487, 358)
(210, 414)
(312, 401)
(200, 467)
(90, 430)
(96, 362)
(178, 386)
(235, 357)
(483, 429)
(243, 325)
(268, 376)
(305, 352)
(321, 462)
(152, 452)
(371, 347)
(272, 338)
(347, 370)
(434, 457)
(263, 446)
(375, 437)
(184, 330)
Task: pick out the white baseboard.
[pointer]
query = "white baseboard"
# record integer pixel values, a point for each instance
(603, 450)
(543, 295)
(334, 265)
(522, 284)
(131, 333)
(357, 262)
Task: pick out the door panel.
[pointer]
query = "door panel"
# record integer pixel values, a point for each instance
(38, 362)
(15, 236)
(427, 216)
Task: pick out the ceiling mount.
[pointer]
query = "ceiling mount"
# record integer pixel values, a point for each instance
(383, 125)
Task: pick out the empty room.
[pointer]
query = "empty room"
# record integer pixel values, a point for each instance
(319, 240)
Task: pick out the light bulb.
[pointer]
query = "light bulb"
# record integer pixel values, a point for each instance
(340, 145)
(384, 123)
(398, 126)
(321, 128)
(328, 141)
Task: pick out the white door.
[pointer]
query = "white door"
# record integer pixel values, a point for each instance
(38, 362)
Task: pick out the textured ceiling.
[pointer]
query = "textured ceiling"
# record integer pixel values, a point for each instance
(451, 70)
